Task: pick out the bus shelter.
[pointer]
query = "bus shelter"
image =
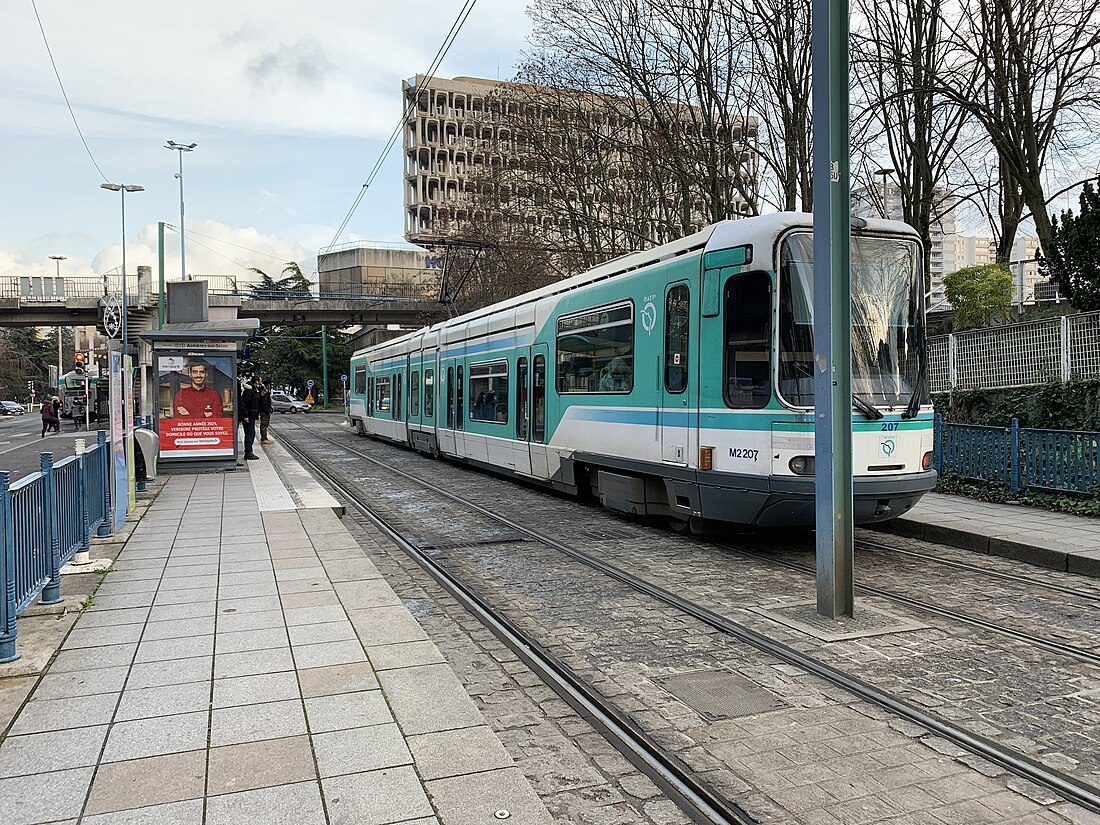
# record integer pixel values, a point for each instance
(194, 392)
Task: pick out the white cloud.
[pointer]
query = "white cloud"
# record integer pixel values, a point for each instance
(278, 67)
(214, 249)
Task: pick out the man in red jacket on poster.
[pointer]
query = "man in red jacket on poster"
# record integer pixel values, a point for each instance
(198, 400)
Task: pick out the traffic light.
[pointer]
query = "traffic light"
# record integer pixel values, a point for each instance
(79, 368)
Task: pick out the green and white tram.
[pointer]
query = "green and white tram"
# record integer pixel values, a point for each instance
(677, 381)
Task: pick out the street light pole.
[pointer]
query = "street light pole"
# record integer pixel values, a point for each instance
(181, 148)
(57, 259)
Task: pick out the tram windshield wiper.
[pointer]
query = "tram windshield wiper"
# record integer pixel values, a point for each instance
(865, 407)
(913, 407)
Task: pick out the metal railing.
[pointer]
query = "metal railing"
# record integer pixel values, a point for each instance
(141, 293)
(1017, 355)
(45, 519)
(1022, 458)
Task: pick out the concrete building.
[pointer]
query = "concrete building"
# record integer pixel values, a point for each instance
(457, 128)
(359, 268)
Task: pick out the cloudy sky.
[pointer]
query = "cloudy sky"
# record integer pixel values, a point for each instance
(290, 103)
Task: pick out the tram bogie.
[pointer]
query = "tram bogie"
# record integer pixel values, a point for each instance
(675, 382)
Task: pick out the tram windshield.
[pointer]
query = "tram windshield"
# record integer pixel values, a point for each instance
(887, 321)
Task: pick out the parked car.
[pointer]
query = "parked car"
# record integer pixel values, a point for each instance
(11, 408)
(283, 403)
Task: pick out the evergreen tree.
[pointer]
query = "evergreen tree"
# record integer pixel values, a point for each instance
(290, 355)
(1074, 254)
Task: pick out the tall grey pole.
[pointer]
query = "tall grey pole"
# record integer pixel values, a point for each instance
(180, 148)
(57, 259)
(183, 253)
(832, 309)
(125, 306)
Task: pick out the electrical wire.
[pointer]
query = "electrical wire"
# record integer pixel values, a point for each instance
(448, 41)
(226, 257)
(64, 94)
(190, 232)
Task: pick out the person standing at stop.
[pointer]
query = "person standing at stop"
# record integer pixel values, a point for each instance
(264, 393)
(248, 402)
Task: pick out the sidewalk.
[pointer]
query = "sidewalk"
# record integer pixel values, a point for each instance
(1040, 537)
(248, 664)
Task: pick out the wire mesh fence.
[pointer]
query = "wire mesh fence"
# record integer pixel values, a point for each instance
(1017, 355)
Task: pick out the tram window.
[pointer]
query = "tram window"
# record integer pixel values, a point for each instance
(595, 350)
(748, 312)
(414, 394)
(360, 381)
(458, 399)
(429, 393)
(382, 393)
(489, 392)
(521, 399)
(538, 395)
(397, 396)
(450, 398)
(677, 320)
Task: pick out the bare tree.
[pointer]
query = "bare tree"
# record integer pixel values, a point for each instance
(778, 93)
(1030, 75)
(898, 49)
(627, 128)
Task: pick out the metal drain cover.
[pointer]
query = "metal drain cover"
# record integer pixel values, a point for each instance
(867, 621)
(715, 694)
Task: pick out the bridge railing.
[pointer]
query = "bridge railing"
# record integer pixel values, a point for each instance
(1023, 458)
(142, 293)
(45, 519)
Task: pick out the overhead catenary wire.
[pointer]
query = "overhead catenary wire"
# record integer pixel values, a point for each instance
(456, 27)
(65, 94)
(191, 232)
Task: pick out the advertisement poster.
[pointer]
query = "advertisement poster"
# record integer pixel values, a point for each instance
(195, 399)
(120, 486)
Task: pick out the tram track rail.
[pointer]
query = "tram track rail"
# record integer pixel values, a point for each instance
(1071, 651)
(694, 798)
(1068, 787)
(1031, 581)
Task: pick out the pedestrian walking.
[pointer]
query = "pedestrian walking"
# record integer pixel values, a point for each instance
(248, 404)
(50, 420)
(264, 391)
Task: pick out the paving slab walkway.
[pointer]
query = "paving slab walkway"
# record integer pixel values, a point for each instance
(1057, 540)
(243, 666)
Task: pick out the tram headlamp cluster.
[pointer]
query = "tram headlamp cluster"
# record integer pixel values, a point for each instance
(802, 465)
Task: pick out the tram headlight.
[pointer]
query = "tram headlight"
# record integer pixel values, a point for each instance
(802, 465)
(926, 462)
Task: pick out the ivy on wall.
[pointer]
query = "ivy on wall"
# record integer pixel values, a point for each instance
(1051, 406)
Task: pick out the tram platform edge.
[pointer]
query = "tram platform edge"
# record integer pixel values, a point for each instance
(1058, 541)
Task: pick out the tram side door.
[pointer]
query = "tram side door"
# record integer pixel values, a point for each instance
(675, 391)
(521, 450)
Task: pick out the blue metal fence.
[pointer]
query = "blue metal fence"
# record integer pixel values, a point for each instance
(45, 518)
(1051, 460)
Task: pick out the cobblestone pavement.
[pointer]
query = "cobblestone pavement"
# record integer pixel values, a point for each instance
(824, 757)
